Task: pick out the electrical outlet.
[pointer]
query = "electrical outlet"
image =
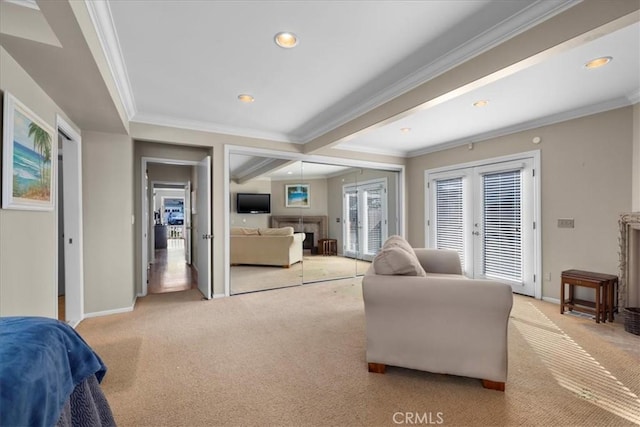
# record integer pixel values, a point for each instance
(547, 277)
(565, 223)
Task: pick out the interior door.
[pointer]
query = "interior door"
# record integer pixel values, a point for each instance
(187, 223)
(72, 232)
(204, 238)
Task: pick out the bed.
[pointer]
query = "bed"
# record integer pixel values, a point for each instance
(49, 376)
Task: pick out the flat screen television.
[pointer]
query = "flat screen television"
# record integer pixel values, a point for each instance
(253, 203)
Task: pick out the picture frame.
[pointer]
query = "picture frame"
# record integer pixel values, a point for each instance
(30, 156)
(296, 195)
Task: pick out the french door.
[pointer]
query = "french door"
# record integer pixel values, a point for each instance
(487, 214)
(365, 221)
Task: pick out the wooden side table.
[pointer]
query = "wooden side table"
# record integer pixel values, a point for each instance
(603, 284)
(328, 246)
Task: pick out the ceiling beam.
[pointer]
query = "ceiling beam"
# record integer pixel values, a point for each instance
(577, 25)
(262, 168)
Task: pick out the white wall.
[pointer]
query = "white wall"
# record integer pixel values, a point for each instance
(28, 239)
(107, 179)
(586, 175)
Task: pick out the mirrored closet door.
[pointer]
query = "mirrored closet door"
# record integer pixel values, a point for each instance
(340, 217)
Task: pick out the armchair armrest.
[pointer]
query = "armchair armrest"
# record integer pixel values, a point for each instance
(442, 261)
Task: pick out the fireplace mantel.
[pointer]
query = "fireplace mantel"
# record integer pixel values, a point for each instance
(311, 224)
(629, 226)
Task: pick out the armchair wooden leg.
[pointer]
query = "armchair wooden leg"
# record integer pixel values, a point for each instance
(493, 385)
(377, 368)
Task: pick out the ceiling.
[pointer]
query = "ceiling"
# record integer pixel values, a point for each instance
(357, 76)
(186, 66)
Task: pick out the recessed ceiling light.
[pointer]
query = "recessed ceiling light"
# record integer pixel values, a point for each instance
(243, 97)
(286, 40)
(481, 103)
(405, 130)
(289, 173)
(598, 62)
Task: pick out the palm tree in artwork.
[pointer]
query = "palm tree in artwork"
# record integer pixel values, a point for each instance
(42, 143)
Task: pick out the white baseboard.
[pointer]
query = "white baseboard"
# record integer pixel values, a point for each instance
(219, 296)
(110, 312)
(74, 323)
(551, 300)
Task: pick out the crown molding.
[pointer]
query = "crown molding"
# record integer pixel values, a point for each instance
(197, 125)
(531, 124)
(533, 15)
(100, 14)
(31, 4)
(634, 97)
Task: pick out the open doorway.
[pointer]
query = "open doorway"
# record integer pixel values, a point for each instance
(171, 269)
(194, 181)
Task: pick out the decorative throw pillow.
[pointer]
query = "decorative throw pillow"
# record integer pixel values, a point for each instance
(283, 231)
(399, 242)
(244, 231)
(397, 261)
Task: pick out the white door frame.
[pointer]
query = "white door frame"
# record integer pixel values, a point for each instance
(74, 263)
(144, 261)
(537, 211)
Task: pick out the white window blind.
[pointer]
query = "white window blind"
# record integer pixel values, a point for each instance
(449, 216)
(502, 242)
(374, 220)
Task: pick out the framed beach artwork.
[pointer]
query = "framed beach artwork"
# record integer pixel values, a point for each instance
(297, 195)
(29, 149)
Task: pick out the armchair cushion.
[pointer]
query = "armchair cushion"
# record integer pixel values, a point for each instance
(244, 231)
(394, 260)
(398, 242)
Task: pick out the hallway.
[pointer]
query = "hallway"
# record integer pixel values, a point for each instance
(170, 272)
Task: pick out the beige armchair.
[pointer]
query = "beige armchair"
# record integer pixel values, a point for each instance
(437, 320)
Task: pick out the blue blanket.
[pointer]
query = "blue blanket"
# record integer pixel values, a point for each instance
(41, 361)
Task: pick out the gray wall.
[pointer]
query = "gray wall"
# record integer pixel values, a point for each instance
(107, 192)
(317, 197)
(586, 174)
(28, 239)
(635, 198)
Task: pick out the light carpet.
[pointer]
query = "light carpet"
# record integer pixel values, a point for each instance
(296, 357)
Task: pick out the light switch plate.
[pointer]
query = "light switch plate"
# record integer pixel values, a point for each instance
(565, 223)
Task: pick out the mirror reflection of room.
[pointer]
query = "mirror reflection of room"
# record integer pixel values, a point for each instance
(329, 221)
